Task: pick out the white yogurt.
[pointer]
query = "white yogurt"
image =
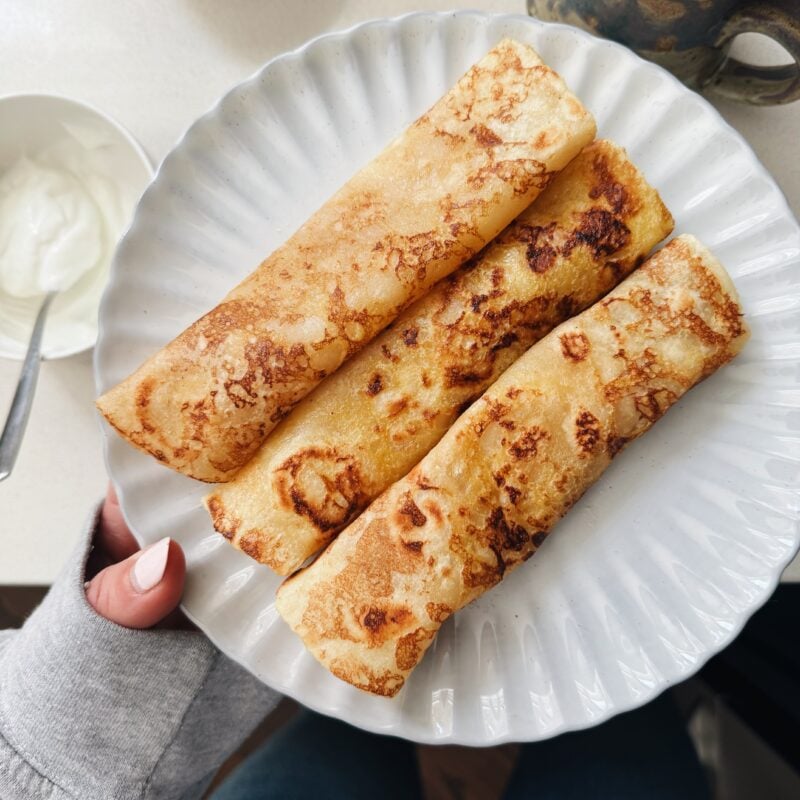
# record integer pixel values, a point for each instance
(59, 219)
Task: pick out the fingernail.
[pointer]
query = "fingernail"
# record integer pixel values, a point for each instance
(149, 568)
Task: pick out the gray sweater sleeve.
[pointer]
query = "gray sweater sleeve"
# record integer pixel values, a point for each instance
(89, 709)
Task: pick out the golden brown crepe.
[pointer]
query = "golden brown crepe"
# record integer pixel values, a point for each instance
(450, 183)
(484, 498)
(368, 424)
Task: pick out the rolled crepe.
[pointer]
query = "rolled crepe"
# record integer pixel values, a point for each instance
(370, 423)
(482, 501)
(457, 176)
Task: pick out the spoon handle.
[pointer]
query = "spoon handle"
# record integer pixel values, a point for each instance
(11, 438)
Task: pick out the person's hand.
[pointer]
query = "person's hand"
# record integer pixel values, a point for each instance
(132, 587)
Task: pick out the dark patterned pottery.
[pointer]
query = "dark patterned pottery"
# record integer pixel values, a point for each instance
(691, 38)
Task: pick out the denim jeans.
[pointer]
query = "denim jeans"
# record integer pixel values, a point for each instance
(644, 754)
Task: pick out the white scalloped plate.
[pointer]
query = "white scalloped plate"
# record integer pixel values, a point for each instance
(662, 562)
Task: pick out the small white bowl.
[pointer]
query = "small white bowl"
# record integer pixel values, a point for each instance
(31, 123)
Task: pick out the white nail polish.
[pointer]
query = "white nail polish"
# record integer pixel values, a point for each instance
(149, 568)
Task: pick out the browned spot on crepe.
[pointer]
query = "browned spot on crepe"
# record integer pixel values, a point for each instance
(411, 510)
(321, 485)
(587, 431)
(527, 445)
(375, 384)
(574, 346)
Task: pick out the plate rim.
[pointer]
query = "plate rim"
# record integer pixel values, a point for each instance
(462, 736)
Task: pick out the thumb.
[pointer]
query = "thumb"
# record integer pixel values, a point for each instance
(141, 590)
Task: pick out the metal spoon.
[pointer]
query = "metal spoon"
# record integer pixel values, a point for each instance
(11, 438)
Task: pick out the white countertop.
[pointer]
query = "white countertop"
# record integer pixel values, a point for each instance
(155, 67)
